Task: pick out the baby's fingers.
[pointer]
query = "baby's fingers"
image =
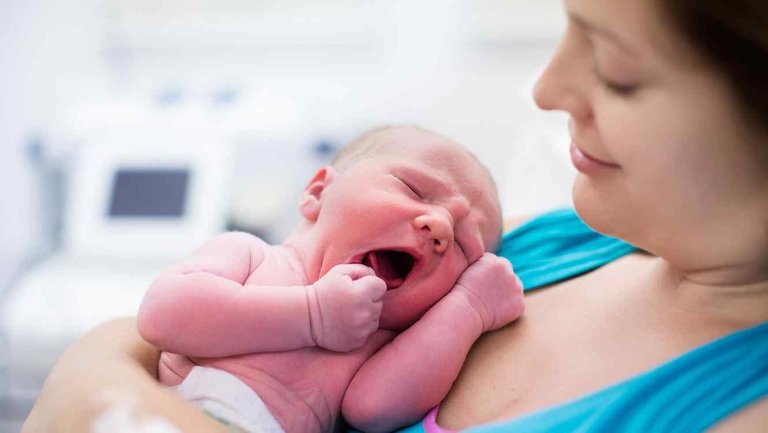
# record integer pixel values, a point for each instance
(373, 286)
(376, 312)
(355, 271)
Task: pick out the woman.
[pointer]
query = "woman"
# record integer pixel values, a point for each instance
(667, 103)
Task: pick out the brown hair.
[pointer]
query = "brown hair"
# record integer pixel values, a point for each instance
(733, 36)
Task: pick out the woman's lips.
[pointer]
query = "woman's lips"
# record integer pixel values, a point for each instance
(586, 163)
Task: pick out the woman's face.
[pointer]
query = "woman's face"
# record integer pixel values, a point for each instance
(664, 156)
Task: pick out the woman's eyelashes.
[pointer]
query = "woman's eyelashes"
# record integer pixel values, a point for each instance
(620, 89)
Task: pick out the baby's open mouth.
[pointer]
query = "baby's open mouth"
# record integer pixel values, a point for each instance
(391, 266)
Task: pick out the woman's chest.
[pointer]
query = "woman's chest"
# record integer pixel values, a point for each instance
(575, 338)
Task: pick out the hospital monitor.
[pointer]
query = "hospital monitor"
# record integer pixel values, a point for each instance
(149, 193)
(146, 196)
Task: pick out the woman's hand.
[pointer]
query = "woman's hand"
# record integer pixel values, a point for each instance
(110, 367)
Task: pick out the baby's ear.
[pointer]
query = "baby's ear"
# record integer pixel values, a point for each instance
(311, 199)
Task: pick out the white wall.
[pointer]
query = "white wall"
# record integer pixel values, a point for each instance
(50, 58)
(464, 68)
(304, 70)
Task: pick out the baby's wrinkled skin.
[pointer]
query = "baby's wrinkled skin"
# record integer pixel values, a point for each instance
(368, 309)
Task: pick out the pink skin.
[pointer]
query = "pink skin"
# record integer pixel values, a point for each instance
(447, 228)
(486, 285)
(663, 152)
(344, 307)
(267, 313)
(587, 164)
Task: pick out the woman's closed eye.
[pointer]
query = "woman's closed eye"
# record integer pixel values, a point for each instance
(620, 89)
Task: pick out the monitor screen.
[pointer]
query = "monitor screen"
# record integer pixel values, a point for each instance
(150, 193)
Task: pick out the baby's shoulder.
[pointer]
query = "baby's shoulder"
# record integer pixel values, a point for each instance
(241, 241)
(239, 246)
(277, 265)
(239, 238)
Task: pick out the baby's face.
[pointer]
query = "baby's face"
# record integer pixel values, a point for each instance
(418, 216)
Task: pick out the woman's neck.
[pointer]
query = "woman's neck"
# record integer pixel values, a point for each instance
(733, 294)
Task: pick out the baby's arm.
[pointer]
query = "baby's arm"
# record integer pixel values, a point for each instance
(202, 308)
(414, 372)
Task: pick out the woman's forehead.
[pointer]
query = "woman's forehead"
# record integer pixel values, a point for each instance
(638, 26)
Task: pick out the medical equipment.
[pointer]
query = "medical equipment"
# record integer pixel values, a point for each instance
(135, 203)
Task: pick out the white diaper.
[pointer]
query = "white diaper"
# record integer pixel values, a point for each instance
(229, 399)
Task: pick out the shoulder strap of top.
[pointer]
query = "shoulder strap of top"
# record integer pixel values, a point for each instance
(695, 391)
(558, 245)
(688, 394)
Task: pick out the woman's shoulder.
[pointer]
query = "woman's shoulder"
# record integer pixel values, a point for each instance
(511, 223)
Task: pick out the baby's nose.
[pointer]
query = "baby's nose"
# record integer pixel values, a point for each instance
(439, 225)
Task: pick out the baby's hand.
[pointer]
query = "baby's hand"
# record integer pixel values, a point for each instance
(493, 290)
(345, 306)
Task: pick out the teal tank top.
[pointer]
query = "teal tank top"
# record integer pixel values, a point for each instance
(688, 394)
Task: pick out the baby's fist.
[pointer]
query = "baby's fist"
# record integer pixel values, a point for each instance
(345, 306)
(493, 290)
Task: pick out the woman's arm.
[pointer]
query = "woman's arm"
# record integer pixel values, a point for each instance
(109, 366)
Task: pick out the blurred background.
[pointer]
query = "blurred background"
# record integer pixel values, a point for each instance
(133, 130)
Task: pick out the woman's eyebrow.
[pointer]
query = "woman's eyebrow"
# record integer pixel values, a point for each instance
(599, 30)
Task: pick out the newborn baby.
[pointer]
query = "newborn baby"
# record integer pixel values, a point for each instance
(366, 310)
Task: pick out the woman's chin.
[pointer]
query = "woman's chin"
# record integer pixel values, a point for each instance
(598, 210)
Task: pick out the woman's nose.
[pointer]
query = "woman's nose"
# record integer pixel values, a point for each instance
(439, 225)
(562, 84)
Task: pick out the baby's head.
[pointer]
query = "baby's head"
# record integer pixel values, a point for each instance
(413, 205)
(411, 141)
